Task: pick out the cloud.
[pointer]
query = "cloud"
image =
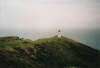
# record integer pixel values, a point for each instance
(49, 14)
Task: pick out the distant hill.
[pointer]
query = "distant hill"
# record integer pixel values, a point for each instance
(51, 52)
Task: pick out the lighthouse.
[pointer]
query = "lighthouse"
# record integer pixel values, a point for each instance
(59, 34)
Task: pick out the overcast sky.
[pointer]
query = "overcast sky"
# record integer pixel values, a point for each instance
(49, 14)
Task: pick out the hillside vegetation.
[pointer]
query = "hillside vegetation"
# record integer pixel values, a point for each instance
(51, 52)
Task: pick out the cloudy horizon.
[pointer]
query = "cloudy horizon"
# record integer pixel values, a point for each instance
(78, 19)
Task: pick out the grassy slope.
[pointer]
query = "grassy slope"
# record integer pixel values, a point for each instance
(46, 53)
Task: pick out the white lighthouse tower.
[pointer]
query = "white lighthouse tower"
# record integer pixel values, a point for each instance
(59, 34)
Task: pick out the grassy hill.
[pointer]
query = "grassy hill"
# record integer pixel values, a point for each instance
(51, 52)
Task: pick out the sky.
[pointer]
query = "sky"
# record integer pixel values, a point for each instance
(78, 19)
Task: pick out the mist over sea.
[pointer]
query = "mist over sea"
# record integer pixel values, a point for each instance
(91, 37)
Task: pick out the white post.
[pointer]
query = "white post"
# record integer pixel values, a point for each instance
(59, 33)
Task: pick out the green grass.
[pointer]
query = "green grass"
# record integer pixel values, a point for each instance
(51, 52)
